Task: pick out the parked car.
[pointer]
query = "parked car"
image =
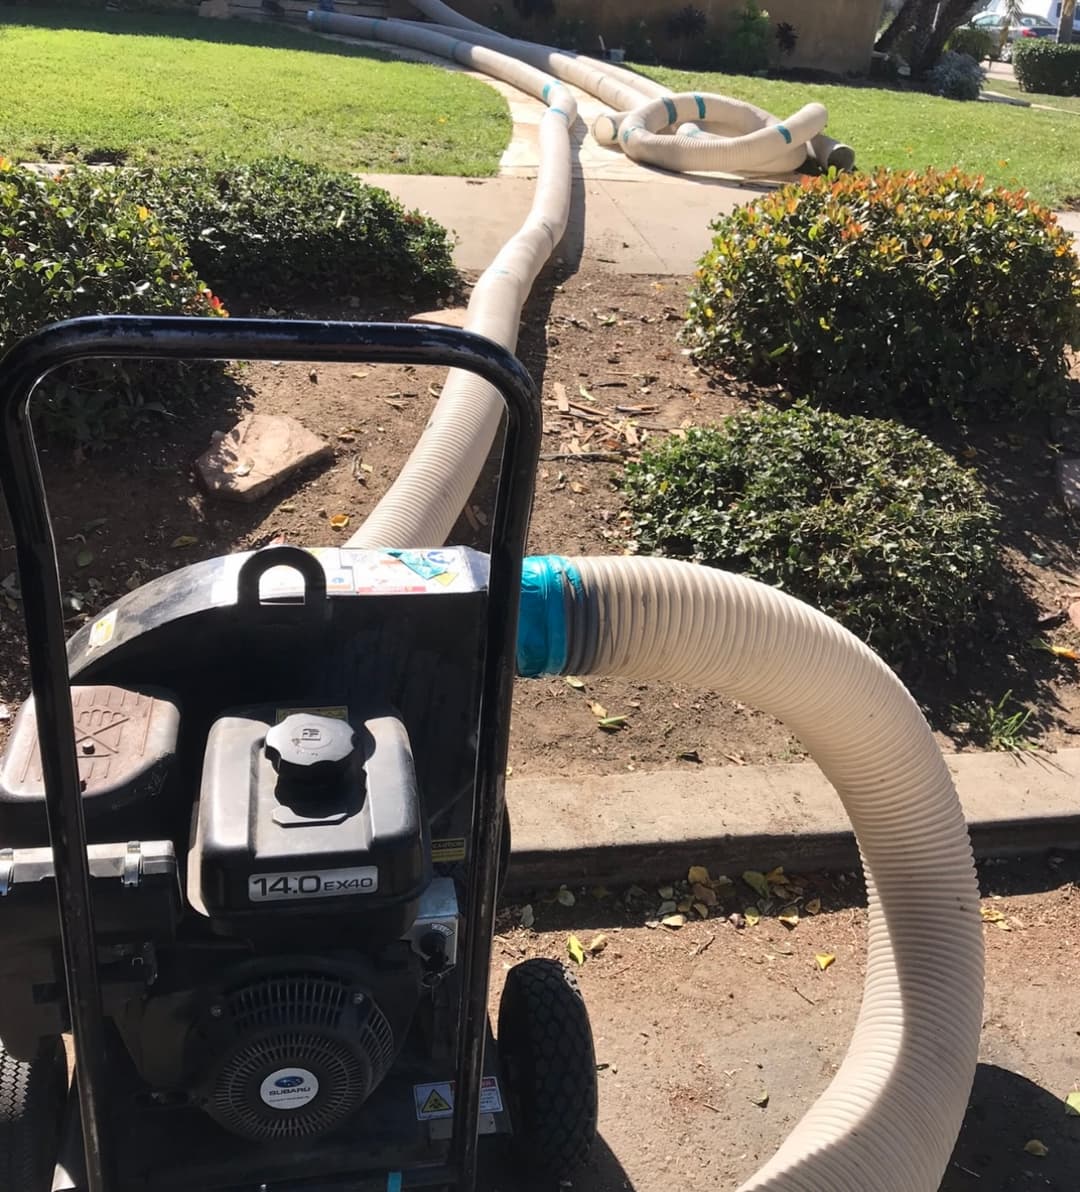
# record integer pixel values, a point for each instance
(1049, 10)
(1025, 25)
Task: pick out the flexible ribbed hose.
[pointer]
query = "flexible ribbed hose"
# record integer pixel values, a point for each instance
(425, 500)
(890, 1117)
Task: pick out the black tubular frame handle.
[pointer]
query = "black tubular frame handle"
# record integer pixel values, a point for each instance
(180, 338)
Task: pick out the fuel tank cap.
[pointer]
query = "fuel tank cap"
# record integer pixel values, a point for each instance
(311, 750)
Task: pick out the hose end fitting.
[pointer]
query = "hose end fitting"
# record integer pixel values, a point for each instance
(548, 582)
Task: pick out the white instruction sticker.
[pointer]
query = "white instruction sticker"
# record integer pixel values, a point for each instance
(437, 1100)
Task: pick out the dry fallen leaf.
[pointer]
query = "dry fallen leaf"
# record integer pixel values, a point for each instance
(1037, 1147)
(565, 897)
(84, 558)
(789, 916)
(757, 882)
(813, 907)
(761, 1099)
(1064, 652)
(705, 894)
(824, 959)
(597, 944)
(612, 723)
(528, 916)
(184, 540)
(775, 877)
(598, 710)
(577, 952)
(673, 921)
(990, 915)
(698, 876)
(339, 521)
(1072, 1104)
(575, 682)
(702, 909)
(752, 916)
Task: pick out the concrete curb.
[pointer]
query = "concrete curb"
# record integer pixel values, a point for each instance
(639, 827)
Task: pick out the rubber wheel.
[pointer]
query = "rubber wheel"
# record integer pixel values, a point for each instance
(549, 1067)
(32, 1096)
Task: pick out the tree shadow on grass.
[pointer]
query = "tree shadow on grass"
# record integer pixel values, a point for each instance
(265, 34)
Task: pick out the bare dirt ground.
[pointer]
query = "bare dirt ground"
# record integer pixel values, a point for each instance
(606, 352)
(695, 1027)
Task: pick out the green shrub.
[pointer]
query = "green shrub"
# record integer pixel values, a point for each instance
(1045, 66)
(893, 293)
(956, 76)
(81, 244)
(977, 43)
(867, 520)
(283, 229)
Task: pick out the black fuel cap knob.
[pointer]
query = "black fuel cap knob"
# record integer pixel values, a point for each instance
(311, 750)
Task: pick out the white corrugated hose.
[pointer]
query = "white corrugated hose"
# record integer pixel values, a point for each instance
(889, 1119)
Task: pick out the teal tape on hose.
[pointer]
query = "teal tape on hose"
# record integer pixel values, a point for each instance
(672, 111)
(560, 112)
(542, 642)
(393, 1182)
(700, 106)
(784, 133)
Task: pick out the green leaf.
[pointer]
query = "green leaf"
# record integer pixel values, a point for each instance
(756, 881)
(84, 558)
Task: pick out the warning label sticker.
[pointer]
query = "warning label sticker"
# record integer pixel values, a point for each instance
(102, 630)
(362, 572)
(437, 1100)
(451, 848)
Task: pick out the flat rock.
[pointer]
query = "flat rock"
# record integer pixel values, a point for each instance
(454, 316)
(1068, 471)
(257, 455)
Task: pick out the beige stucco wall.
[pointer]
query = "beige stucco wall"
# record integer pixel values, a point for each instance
(834, 35)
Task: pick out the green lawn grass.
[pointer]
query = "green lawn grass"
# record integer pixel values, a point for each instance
(114, 86)
(1070, 103)
(1016, 147)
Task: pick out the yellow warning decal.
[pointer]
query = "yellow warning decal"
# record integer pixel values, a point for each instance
(101, 632)
(338, 713)
(435, 1103)
(449, 849)
(437, 1100)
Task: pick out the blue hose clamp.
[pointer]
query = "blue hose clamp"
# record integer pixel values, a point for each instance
(542, 637)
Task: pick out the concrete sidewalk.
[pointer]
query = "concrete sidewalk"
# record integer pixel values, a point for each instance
(653, 826)
(626, 227)
(647, 226)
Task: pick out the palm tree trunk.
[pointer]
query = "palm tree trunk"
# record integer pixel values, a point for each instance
(1065, 24)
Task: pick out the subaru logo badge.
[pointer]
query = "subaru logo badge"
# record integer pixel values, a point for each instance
(289, 1082)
